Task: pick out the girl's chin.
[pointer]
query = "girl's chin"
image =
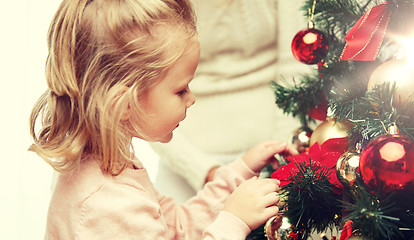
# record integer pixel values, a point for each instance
(167, 138)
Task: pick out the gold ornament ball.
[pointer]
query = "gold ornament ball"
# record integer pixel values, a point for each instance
(346, 167)
(277, 228)
(399, 71)
(272, 225)
(301, 138)
(330, 129)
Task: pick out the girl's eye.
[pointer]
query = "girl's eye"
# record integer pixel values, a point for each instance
(182, 92)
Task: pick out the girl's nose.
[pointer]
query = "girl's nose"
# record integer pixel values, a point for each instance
(191, 99)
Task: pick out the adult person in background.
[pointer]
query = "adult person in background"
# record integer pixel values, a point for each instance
(245, 44)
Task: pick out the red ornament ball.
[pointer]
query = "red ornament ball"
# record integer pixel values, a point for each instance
(310, 46)
(387, 164)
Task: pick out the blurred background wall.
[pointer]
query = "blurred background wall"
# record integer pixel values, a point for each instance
(24, 178)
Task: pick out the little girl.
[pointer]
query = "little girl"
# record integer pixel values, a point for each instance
(119, 69)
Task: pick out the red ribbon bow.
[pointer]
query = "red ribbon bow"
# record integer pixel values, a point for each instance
(364, 40)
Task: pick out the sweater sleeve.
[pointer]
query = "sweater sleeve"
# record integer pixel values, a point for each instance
(227, 226)
(185, 159)
(203, 213)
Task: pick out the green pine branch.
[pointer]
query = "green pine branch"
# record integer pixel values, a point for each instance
(378, 216)
(334, 19)
(372, 113)
(311, 203)
(296, 100)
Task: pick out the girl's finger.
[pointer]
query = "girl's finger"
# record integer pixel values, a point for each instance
(271, 199)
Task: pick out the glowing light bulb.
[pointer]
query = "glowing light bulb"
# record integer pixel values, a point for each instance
(406, 50)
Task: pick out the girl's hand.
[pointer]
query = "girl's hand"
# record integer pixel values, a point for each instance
(263, 153)
(254, 201)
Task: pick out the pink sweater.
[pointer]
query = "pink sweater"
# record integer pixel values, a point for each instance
(88, 204)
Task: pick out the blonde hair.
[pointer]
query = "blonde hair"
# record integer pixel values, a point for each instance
(103, 55)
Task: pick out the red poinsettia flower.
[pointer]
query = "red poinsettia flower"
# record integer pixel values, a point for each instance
(325, 155)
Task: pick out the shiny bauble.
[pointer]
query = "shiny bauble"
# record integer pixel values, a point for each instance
(301, 138)
(272, 225)
(330, 129)
(347, 167)
(399, 71)
(277, 228)
(387, 165)
(310, 46)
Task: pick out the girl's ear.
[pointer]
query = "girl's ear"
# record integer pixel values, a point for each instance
(126, 112)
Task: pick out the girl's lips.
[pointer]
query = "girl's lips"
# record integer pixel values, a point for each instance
(179, 122)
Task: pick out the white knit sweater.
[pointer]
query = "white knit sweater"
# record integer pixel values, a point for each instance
(245, 44)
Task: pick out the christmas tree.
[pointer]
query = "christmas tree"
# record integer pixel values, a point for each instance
(355, 172)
